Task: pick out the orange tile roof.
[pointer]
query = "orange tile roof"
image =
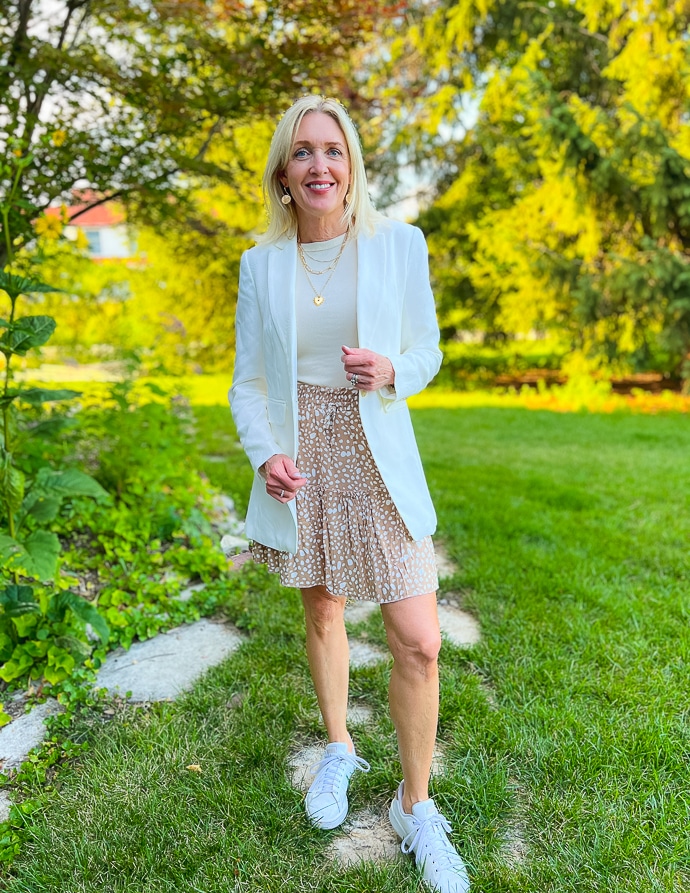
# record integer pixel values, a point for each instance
(107, 214)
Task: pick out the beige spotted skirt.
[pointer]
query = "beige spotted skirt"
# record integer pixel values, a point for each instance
(351, 538)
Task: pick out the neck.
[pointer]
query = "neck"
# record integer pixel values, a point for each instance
(320, 230)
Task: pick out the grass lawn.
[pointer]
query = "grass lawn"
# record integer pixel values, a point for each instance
(566, 730)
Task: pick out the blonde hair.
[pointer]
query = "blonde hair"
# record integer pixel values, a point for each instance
(359, 213)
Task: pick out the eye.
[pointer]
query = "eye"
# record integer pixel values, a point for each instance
(334, 151)
(301, 153)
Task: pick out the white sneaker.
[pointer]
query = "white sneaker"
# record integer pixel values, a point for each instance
(326, 801)
(424, 833)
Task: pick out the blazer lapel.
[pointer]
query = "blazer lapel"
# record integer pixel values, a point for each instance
(371, 291)
(282, 267)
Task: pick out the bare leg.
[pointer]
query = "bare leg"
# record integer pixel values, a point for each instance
(329, 658)
(414, 639)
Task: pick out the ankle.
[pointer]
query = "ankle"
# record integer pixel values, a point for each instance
(344, 739)
(408, 799)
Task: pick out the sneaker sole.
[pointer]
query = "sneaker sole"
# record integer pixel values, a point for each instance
(395, 821)
(328, 824)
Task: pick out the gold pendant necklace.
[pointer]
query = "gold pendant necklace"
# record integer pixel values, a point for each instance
(318, 295)
(330, 265)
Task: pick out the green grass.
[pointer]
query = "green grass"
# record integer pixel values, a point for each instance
(567, 727)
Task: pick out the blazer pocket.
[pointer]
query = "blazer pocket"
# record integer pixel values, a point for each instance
(276, 411)
(393, 405)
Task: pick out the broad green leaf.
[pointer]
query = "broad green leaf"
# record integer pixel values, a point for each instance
(19, 285)
(16, 666)
(6, 647)
(87, 612)
(48, 428)
(155, 389)
(43, 508)
(44, 548)
(18, 600)
(73, 483)
(36, 396)
(14, 557)
(11, 483)
(76, 647)
(60, 657)
(56, 674)
(26, 624)
(35, 557)
(25, 333)
(7, 398)
(36, 648)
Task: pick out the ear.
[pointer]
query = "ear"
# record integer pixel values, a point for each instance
(283, 179)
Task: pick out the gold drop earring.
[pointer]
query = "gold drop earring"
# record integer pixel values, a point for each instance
(286, 198)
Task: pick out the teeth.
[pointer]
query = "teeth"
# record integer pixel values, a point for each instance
(320, 185)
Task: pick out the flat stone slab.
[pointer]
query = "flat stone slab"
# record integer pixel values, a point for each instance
(362, 654)
(444, 564)
(168, 664)
(24, 733)
(189, 591)
(367, 837)
(459, 627)
(301, 762)
(359, 609)
(357, 715)
(514, 847)
(5, 805)
(230, 544)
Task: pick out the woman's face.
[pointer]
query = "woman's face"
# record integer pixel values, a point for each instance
(318, 172)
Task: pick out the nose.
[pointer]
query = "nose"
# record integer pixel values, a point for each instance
(319, 161)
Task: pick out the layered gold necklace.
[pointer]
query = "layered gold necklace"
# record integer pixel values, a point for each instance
(330, 268)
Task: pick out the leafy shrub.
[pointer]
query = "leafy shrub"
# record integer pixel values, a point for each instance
(36, 633)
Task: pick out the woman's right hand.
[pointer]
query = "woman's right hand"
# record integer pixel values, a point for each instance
(283, 479)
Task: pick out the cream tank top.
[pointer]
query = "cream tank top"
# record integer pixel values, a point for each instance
(323, 328)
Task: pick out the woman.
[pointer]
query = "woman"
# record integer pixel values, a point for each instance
(336, 327)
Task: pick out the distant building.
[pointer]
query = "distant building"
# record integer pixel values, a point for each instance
(104, 227)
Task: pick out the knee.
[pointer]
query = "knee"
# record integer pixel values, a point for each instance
(323, 611)
(419, 654)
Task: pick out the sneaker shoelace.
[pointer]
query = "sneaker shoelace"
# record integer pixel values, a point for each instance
(428, 838)
(334, 766)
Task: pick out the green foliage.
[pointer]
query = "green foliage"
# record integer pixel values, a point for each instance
(164, 85)
(563, 739)
(36, 635)
(563, 194)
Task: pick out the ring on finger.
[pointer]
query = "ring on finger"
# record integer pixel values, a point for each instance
(354, 380)
(282, 493)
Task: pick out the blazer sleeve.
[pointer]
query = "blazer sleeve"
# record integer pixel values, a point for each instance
(420, 357)
(248, 394)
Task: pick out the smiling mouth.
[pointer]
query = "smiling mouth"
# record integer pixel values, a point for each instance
(320, 187)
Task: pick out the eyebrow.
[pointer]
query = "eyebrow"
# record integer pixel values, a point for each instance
(309, 143)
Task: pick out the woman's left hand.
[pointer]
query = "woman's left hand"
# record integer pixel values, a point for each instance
(373, 370)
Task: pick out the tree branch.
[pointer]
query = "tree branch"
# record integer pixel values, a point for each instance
(212, 132)
(18, 42)
(563, 23)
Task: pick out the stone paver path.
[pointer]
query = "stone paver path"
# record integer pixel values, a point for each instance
(162, 667)
(168, 664)
(23, 734)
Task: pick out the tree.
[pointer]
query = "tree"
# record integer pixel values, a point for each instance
(567, 205)
(165, 107)
(127, 97)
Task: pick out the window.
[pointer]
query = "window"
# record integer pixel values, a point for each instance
(93, 237)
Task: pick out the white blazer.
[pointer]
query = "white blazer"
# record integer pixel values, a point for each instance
(396, 317)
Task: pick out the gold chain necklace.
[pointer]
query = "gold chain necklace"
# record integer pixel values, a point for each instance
(318, 295)
(331, 264)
